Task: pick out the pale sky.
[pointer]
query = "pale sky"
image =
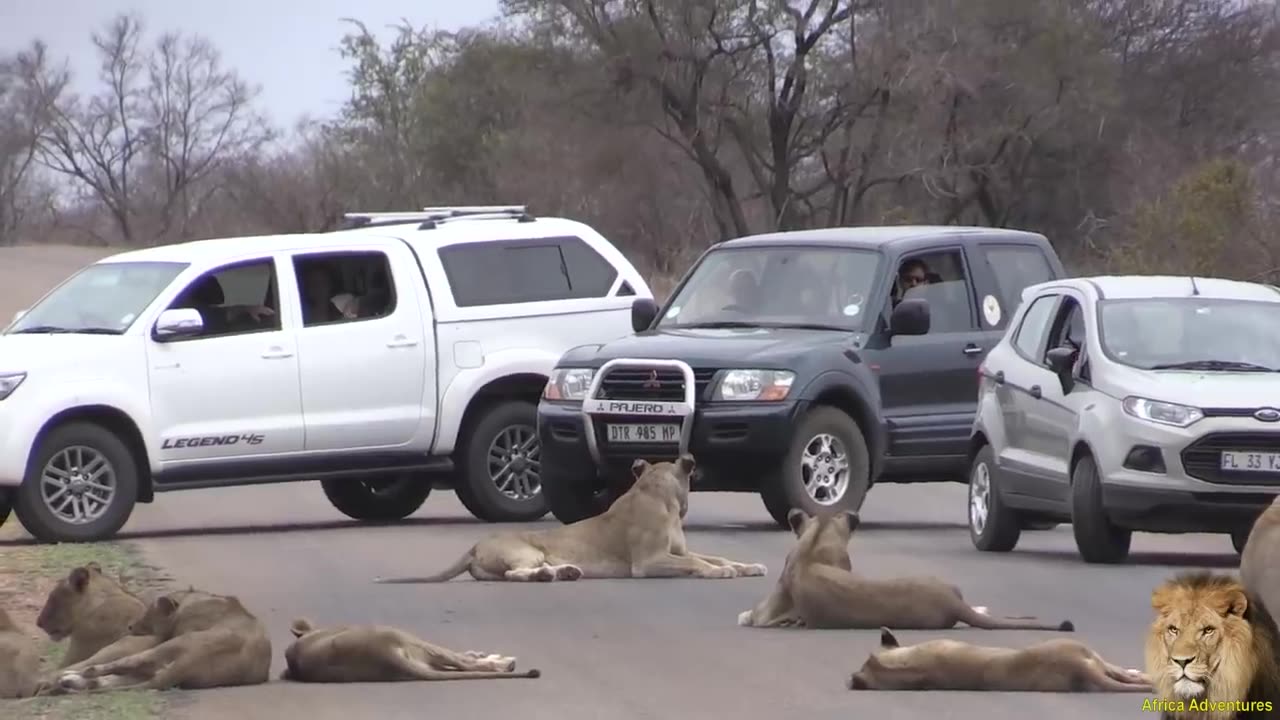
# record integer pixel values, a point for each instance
(288, 47)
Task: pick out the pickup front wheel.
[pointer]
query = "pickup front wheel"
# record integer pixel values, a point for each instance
(501, 468)
(378, 497)
(826, 469)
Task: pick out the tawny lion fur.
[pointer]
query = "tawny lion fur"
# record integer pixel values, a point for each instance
(1210, 641)
(90, 609)
(640, 536)
(204, 641)
(377, 653)
(1050, 666)
(19, 661)
(1260, 561)
(818, 589)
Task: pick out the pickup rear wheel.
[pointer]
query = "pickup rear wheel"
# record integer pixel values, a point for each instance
(378, 497)
(826, 469)
(81, 485)
(501, 468)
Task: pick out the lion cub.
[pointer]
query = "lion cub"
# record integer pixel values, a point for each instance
(19, 661)
(640, 536)
(1050, 666)
(205, 641)
(91, 609)
(376, 653)
(817, 589)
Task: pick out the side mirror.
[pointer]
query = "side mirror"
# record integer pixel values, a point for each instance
(910, 317)
(643, 311)
(177, 322)
(18, 315)
(1060, 361)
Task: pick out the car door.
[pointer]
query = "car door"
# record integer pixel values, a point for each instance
(1050, 414)
(367, 374)
(929, 383)
(230, 391)
(1018, 381)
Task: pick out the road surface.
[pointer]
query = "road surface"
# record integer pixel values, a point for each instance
(638, 648)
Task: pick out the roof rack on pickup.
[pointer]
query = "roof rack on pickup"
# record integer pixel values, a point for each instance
(431, 217)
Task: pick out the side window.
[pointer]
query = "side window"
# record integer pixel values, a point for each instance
(516, 271)
(235, 299)
(344, 287)
(1016, 267)
(1030, 335)
(1069, 331)
(939, 278)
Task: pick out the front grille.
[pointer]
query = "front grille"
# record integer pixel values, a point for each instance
(1202, 459)
(639, 383)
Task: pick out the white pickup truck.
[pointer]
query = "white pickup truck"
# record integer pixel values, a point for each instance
(405, 352)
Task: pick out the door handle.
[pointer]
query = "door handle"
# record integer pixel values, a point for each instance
(276, 353)
(1035, 391)
(972, 349)
(400, 341)
(999, 377)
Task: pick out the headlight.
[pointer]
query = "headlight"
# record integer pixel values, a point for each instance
(568, 384)
(755, 385)
(10, 382)
(1162, 412)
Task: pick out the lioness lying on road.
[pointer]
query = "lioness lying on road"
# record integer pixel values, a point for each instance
(640, 536)
(1259, 566)
(817, 589)
(1050, 666)
(206, 641)
(19, 661)
(376, 653)
(91, 609)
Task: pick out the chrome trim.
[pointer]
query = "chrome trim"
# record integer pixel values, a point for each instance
(686, 408)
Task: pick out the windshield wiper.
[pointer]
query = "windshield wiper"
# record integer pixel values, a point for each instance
(721, 324)
(769, 325)
(807, 326)
(57, 330)
(1214, 365)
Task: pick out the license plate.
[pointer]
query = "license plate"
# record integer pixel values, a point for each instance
(1251, 461)
(644, 433)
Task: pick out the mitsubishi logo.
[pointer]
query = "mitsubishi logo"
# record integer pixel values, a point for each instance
(1267, 414)
(653, 384)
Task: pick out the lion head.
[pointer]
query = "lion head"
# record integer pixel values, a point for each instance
(822, 539)
(69, 599)
(680, 472)
(1209, 641)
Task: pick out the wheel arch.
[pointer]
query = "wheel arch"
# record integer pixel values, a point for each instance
(116, 421)
(846, 400)
(1078, 451)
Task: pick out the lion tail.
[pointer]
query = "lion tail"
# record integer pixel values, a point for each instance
(972, 617)
(457, 568)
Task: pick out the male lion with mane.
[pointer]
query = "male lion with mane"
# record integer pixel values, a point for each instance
(818, 589)
(1049, 666)
(1209, 642)
(377, 653)
(640, 536)
(1259, 566)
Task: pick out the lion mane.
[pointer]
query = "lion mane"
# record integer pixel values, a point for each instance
(1227, 640)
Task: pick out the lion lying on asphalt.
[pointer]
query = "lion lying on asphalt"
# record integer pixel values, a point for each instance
(1210, 642)
(1259, 568)
(19, 661)
(640, 536)
(817, 589)
(205, 641)
(376, 653)
(91, 609)
(1050, 666)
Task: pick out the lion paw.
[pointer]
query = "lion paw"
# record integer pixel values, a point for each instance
(744, 618)
(752, 570)
(722, 572)
(75, 681)
(568, 572)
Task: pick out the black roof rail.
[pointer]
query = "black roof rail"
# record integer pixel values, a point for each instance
(431, 217)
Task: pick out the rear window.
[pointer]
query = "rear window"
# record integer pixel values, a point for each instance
(1015, 268)
(519, 271)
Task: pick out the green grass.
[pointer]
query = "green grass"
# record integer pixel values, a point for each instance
(28, 571)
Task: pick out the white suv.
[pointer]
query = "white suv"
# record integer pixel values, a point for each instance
(406, 352)
(1129, 403)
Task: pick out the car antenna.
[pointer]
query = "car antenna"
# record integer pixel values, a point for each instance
(1194, 290)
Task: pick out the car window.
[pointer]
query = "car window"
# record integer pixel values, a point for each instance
(233, 300)
(940, 279)
(344, 287)
(1015, 268)
(516, 271)
(1069, 328)
(1030, 335)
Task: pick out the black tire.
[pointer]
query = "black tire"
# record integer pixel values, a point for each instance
(1098, 541)
(785, 490)
(1001, 526)
(121, 467)
(506, 423)
(6, 504)
(1239, 538)
(378, 497)
(575, 499)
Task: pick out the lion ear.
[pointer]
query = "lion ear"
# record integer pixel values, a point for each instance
(167, 605)
(852, 519)
(1161, 599)
(638, 466)
(1233, 602)
(79, 578)
(686, 463)
(887, 638)
(796, 518)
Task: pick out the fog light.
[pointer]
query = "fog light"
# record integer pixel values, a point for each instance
(1145, 458)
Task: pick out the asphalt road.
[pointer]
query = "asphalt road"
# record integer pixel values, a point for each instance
(638, 648)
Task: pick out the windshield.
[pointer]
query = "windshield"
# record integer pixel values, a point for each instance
(103, 298)
(777, 287)
(1193, 333)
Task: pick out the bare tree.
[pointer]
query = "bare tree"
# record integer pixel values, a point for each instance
(163, 123)
(23, 116)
